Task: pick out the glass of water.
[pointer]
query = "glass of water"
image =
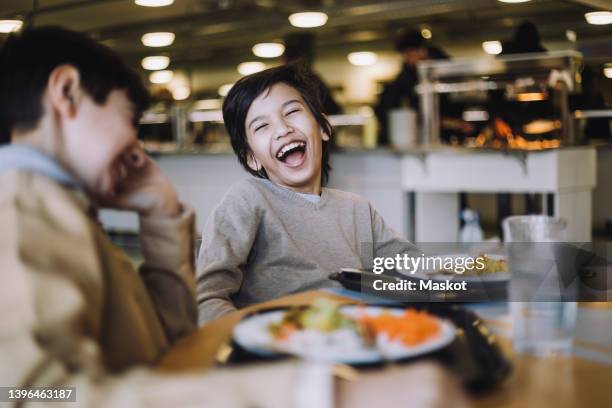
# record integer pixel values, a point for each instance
(542, 307)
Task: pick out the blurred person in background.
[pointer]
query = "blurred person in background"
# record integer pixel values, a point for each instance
(591, 98)
(74, 312)
(401, 92)
(525, 39)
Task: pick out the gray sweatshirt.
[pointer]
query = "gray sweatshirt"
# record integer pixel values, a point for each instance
(264, 241)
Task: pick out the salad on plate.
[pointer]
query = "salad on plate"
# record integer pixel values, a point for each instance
(327, 331)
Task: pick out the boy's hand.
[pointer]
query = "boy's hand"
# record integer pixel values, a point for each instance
(142, 187)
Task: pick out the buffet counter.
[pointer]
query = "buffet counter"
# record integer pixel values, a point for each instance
(437, 176)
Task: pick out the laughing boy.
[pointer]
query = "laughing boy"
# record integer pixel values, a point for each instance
(281, 232)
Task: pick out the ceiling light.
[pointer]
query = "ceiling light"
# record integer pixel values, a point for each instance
(224, 89)
(492, 47)
(158, 39)
(599, 17)
(513, 1)
(248, 68)
(608, 70)
(268, 50)
(308, 19)
(362, 58)
(161, 77)
(153, 3)
(570, 35)
(180, 93)
(8, 26)
(426, 33)
(155, 62)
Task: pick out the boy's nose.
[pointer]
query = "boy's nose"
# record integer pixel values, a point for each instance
(282, 129)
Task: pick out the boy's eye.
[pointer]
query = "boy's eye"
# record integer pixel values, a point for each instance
(263, 125)
(292, 111)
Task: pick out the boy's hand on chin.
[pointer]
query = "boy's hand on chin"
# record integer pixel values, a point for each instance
(143, 188)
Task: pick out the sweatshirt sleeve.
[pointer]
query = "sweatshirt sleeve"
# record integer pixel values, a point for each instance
(387, 241)
(168, 270)
(227, 239)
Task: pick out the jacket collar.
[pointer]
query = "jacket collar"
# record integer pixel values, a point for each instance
(27, 158)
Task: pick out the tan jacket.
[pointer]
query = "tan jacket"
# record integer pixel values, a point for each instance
(62, 276)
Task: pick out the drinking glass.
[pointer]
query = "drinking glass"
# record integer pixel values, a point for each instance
(543, 322)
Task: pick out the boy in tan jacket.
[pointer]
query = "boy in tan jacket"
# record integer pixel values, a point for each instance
(73, 311)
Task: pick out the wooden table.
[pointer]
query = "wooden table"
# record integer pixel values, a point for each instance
(535, 382)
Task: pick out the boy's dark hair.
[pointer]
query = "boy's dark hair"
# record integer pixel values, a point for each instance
(247, 89)
(27, 59)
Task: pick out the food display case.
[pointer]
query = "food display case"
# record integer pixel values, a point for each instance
(517, 102)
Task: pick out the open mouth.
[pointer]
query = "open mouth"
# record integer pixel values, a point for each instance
(292, 153)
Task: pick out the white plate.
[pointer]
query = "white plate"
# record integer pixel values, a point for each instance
(253, 335)
(436, 275)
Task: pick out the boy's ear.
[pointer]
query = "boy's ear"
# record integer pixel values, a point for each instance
(324, 135)
(253, 163)
(64, 89)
